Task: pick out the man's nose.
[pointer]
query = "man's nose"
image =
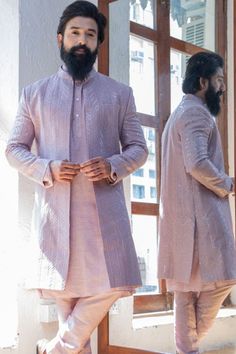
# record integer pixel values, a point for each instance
(223, 87)
(82, 39)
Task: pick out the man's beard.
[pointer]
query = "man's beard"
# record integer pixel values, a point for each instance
(213, 100)
(78, 65)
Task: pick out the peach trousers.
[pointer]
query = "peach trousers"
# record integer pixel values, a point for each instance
(195, 313)
(78, 317)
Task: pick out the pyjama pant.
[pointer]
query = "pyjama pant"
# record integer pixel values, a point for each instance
(194, 315)
(77, 320)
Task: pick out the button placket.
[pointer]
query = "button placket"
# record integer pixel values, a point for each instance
(77, 111)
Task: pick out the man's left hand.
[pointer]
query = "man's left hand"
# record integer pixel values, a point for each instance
(96, 169)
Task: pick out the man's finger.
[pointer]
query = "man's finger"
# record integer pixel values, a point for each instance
(90, 162)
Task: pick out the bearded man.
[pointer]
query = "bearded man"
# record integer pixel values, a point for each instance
(196, 246)
(88, 138)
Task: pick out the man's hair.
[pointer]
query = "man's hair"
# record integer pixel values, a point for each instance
(203, 65)
(84, 9)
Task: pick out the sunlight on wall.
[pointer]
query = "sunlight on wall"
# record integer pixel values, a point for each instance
(8, 252)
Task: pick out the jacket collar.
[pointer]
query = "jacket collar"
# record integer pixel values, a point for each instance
(63, 73)
(194, 98)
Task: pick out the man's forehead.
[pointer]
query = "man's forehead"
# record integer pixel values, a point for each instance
(82, 22)
(219, 72)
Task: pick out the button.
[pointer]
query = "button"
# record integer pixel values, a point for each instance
(77, 99)
(77, 115)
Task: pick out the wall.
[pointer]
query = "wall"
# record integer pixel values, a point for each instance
(9, 27)
(29, 52)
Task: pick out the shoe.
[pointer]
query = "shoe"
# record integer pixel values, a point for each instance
(41, 346)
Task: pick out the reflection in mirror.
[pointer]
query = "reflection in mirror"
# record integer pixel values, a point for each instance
(142, 74)
(193, 21)
(144, 229)
(178, 63)
(143, 181)
(143, 12)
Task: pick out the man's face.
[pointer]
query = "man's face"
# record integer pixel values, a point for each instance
(80, 31)
(216, 87)
(79, 46)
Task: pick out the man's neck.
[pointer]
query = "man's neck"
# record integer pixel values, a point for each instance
(200, 94)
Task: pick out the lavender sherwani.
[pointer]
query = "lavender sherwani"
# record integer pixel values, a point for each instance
(194, 198)
(45, 114)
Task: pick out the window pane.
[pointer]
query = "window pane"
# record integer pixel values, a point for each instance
(142, 74)
(139, 172)
(145, 238)
(152, 173)
(138, 191)
(143, 181)
(193, 21)
(143, 12)
(178, 63)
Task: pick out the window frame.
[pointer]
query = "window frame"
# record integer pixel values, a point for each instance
(163, 301)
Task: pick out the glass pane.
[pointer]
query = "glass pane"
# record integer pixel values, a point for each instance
(178, 63)
(146, 248)
(193, 21)
(143, 181)
(143, 12)
(142, 74)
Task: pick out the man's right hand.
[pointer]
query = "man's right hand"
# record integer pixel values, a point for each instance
(63, 171)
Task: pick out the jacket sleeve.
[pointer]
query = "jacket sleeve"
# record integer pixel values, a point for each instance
(18, 150)
(134, 150)
(195, 132)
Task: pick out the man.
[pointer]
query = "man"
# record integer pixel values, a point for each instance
(84, 255)
(196, 246)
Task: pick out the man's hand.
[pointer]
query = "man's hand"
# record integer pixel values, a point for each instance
(64, 171)
(96, 169)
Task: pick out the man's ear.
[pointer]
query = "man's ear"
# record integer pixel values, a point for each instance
(203, 83)
(59, 40)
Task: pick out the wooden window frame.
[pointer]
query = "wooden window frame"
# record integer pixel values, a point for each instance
(164, 42)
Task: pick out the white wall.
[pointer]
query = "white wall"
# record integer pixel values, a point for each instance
(29, 52)
(9, 63)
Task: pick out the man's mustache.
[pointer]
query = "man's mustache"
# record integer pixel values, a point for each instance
(78, 47)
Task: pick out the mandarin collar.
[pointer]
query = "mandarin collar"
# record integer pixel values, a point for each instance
(63, 73)
(195, 98)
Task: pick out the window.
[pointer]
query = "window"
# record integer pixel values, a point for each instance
(153, 192)
(138, 173)
(175, 31)
(151, 135)
(152, 174)
(138, 191)
(163, 34)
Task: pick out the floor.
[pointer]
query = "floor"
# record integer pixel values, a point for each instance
(222, 351)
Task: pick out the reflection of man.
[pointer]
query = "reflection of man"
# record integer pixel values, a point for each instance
(85, 257)
(196, 247)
